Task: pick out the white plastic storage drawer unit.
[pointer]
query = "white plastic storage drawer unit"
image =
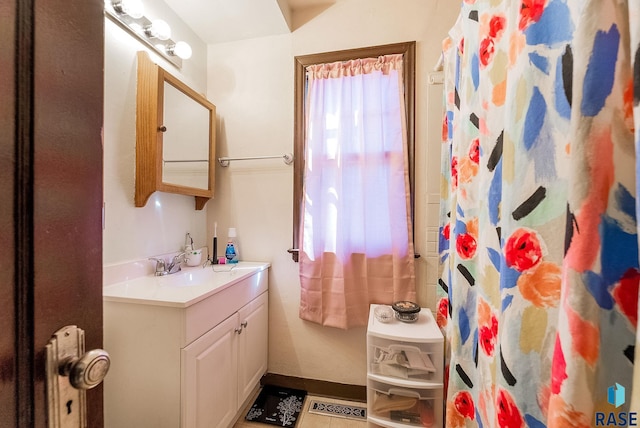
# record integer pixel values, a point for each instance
(405, 372)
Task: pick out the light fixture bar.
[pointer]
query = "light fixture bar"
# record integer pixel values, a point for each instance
(136, 27)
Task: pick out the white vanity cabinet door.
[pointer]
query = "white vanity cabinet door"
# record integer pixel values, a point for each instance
(209, 377)
(252, 345)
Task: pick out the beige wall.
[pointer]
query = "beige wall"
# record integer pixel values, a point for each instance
(251, 83)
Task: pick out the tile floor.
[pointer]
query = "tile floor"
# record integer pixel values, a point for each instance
(310, 420)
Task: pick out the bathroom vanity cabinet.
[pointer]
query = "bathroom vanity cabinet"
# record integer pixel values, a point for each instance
(222, 368)
(186, 352)
(405, 372)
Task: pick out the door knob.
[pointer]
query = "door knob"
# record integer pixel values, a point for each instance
(87, 371)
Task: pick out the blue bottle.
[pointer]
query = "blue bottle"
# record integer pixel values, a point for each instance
(231, 252)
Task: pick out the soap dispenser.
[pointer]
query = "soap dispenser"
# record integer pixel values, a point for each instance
(188, 243)
(231, 252)
(193, 257)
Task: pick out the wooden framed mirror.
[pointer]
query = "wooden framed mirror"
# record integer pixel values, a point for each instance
(175, 137)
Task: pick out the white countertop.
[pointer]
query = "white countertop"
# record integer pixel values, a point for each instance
(181, 289)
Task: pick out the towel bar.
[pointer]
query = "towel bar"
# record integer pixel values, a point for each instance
(287, 158)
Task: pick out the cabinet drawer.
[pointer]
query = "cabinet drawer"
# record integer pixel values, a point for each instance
(390, 405)
(204, 315)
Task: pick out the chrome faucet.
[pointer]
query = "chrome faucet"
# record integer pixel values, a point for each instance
(174, 265)
(163, 269)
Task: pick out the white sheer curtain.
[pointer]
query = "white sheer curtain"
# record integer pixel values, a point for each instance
(356, 229)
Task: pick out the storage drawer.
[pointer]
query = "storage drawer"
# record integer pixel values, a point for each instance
(389, 405)
(420, 362)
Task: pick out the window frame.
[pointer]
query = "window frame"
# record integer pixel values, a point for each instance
(408, 51)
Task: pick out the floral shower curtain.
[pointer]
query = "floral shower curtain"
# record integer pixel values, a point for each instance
(539, 243)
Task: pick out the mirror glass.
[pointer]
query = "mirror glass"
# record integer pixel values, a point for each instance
(185, 148)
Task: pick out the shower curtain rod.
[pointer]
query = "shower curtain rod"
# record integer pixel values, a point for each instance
(287, 158)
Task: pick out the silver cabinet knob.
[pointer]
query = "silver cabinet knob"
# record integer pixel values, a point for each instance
(243, 325)
(87, 371)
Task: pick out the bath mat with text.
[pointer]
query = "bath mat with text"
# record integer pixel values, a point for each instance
(277, 406)
(338, 410)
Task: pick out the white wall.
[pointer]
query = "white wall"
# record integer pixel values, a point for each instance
(251, 83)
(159, 227)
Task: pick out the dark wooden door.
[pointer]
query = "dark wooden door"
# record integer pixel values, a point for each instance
(51, 115)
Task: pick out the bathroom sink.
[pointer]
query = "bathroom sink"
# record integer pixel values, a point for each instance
(184, 288)
(198, 276)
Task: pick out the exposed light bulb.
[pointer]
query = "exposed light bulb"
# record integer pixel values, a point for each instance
(180, 49)
(133, 8)
(158, 29)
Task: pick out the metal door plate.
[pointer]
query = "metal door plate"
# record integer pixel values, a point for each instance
(66, 405)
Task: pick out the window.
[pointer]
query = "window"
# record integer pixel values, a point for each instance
(407, 50)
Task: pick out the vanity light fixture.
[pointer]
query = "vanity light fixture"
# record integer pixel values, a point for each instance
(156, 34)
